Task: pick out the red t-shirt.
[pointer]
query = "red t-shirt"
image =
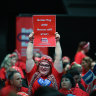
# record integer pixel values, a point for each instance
(2, 73)
(79, 56)
(37, 84)
(21, 64)
(8, 89)
(74, 91)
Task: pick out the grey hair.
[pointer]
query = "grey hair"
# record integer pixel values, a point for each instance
(6, 63)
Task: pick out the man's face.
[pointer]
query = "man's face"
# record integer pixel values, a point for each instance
(44, 68)
(17, 80)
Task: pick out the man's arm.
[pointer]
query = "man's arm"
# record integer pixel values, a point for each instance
(58, 55)
(29, 53)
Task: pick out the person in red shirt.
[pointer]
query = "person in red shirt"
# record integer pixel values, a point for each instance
(46, 73)
(17, 61)
(15, 84)
(5, 65)
(68, 86)
(86, 64)
(83, 48)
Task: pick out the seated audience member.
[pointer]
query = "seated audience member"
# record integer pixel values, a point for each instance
(86, 65)
(77, 77)
(46, 73)
(14, 85)
(15, 68)
(68, 86)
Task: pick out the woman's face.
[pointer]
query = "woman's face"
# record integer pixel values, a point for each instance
(84, 64)
(13, 60)
(66, 83)
(44, 68)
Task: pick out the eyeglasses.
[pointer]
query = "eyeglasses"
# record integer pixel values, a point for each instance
(44, 65)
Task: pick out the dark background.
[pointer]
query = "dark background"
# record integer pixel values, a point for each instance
(75, 21)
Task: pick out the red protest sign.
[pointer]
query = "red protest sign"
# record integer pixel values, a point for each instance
(44, 30)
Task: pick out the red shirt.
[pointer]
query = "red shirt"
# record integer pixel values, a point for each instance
(8, 89)
(84, 71)
(79, 56)
(84, 84)
(36, 83)
(74, 91)
(21, 64)
(2, 73)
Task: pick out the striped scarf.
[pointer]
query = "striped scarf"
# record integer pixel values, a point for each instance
(36, 76)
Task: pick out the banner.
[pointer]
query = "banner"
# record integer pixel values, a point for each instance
(44, 30)
(88, 77)
(24, 27)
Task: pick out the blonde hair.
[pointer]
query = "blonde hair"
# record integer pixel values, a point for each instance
(6, 63)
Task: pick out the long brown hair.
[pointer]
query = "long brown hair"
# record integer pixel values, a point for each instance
(81, 45)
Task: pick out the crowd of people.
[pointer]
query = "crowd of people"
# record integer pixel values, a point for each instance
(41, 76)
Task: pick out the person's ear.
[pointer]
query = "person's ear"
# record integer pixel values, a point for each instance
(11, 82)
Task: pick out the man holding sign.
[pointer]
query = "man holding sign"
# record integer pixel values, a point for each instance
(46, 73)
